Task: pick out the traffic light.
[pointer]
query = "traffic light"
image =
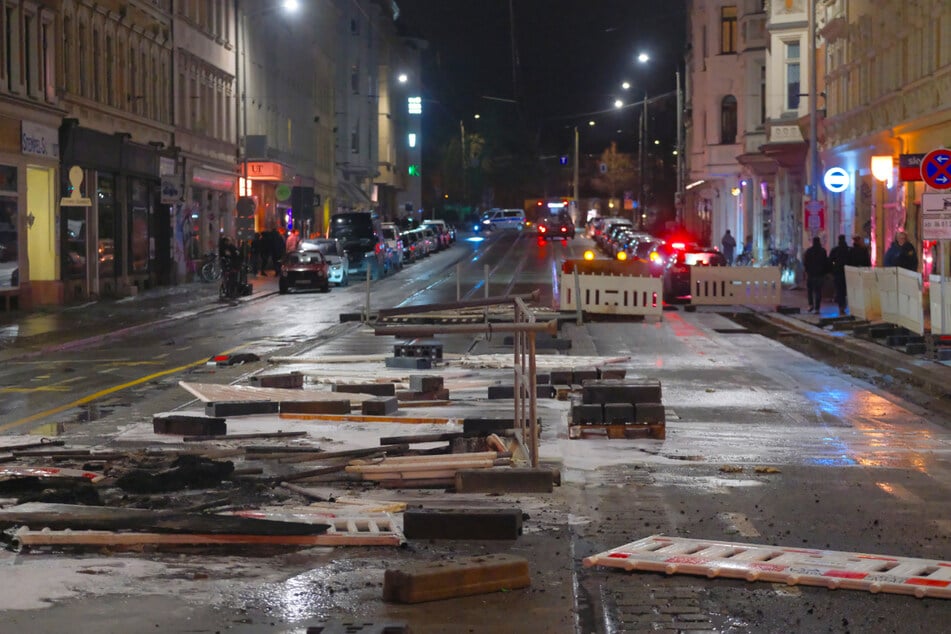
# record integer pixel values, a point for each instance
(413, 170)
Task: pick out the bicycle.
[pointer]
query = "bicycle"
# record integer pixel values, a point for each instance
(211, 269)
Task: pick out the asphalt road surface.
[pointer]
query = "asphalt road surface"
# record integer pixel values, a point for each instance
(764, 445)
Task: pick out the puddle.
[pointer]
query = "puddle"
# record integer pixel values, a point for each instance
(49, 429)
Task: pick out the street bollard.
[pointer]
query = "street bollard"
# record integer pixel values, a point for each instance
(366, 314)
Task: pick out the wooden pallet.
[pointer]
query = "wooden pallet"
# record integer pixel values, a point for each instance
(657, 431)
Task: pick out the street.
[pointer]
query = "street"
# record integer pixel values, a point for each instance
(764, 445)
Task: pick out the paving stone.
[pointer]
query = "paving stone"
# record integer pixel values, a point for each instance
(618, 413)
(377, 389)
(516, 480)
(182, 425)
(293, 380)
(578, 377)
(609, 372)
(435, 395)
(561, 377)
(462, 523)
(241, 408)
(460, 577)
(316, 407)
(409, 363)
(380, 406)
(587, 414)
(501, 391)
(621, 391)
(425, 383)
(355, 626)
(542, 379)
(649, 413)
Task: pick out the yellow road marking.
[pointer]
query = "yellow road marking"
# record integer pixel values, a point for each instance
(59, 386)
(111, 390)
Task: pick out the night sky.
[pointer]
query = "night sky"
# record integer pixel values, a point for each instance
(571, 58)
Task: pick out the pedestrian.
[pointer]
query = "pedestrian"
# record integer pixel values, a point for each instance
(729, 244)
(277, 250)
(816, 263)
(907, 256)
(256, 255)
(891, 255)
(293, 239)
(839, 258)
(859, 256)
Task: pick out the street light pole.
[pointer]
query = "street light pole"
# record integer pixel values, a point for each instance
(679, 197)
(574, 188)
(642, 161)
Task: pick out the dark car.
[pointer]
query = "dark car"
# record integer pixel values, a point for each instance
(556, 227)
(304, 270)
(361, 236)
(679, 257)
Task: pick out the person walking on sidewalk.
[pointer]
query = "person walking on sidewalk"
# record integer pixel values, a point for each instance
(729, 245)
(860, 255)
(907, 257)
(839, 258)
(816, 263)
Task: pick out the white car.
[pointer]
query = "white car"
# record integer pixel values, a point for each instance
(502, 219)
(334, 254)
(394, 241)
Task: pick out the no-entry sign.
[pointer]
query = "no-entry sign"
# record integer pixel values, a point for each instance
(936, 168)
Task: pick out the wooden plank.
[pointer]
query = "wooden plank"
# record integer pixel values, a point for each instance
(78, 516)
(441, 458)
(277, 434)
(387, 466)
(445, 579)
(26, 538)
(358, 418)
(210, 392)
(397, 440)
(33, 445)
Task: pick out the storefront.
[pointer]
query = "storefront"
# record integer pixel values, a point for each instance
(119, 243)
(29, 160)
(269, 185)
(206, 213)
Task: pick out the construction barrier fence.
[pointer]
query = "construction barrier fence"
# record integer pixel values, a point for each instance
(725, 285)
(891, 294)
(612, 294)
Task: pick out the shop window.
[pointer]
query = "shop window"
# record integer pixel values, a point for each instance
(74, 242)
(728, 120)
(138, 226)
(108, 227)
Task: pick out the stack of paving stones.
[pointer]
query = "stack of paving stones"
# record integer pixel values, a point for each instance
(415, 354)
(618, 408)
(423, 387)
(383, 403)
(938, 347)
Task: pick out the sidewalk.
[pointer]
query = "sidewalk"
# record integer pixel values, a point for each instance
(48, 329)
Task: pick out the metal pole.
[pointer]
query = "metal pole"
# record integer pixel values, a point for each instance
(458, 281)
(574, 182)
(642, 160)
(813, 97)
(679, 203)
(579, 316)
(366, 315)
(465, 178)
(485, 275)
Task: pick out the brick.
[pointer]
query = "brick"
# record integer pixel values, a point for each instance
(435, 395)
(618, 413)
(609, 372)
(578, 377)
(380, 406)
(462, 523)
(486, 425)
(587, 414)
(182, 425)
(376, 389)
(356, 626)
(316, 407)
(425, 383)
(293, 380)
(449, 578)
(241, 408)
(501, 391)
(561, 377)
(622, 391)
(409, 363)
(542, 379)
(649, 413)
(514, 480)
(345, 317)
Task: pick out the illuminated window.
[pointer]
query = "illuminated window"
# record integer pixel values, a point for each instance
(727, 30)
(415, 105)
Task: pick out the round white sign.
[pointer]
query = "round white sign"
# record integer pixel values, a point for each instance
(836, 180)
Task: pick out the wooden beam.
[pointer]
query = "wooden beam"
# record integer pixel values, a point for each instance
(358, 418)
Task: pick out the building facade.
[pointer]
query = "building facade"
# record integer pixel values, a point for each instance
(725, 118)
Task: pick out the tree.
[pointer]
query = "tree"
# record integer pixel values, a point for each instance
(619, 173)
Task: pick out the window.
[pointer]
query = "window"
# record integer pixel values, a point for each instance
(728, 120)
(355, 79)
(762, 95)
(96, 67)
(354, 26)
(355, 139)
(792, 75)
(110, 76)
(727, 30)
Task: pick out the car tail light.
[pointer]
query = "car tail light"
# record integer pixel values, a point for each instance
(680, 246)
(564, 229)
(542, 229)
(655, 257)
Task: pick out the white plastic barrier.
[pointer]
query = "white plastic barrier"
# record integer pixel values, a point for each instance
(900, 291)
(613, 294)
(724, 285)
(862, 293)
(940, 305)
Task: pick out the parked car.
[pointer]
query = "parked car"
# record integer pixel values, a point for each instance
(557, 226)
(304, 269)
(361, 236)
(334, 254)
(680, 257)
(442, 231)
(501, 219)
(394, 242)
(432, 242)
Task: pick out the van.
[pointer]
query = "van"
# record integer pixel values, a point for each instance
(361, 236)
(502, 219)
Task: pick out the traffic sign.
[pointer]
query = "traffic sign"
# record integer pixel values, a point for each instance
(815, 214)
(936, 216)
(936, 168)
(836, 180)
